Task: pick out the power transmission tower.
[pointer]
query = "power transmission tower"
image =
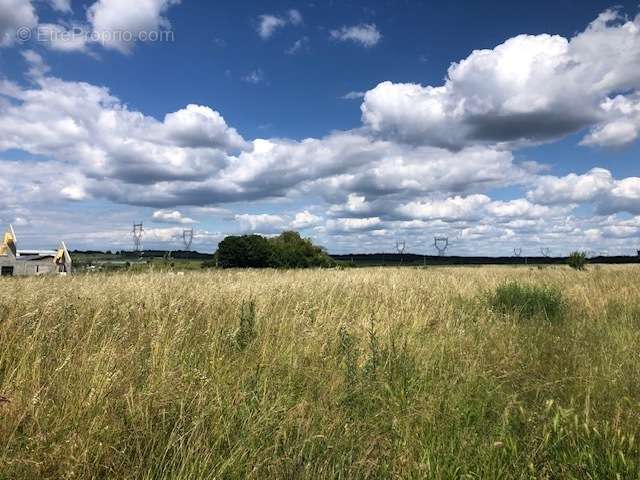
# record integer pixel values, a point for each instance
(517, 252)
(401, 245)
(546, 252)
(441, 244)
(187, 239)
(137, 237)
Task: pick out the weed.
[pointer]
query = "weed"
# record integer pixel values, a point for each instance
(529, 301)
(348, 353)
(246, 331)
(577, 260)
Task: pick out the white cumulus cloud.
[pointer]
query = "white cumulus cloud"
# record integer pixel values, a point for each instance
(364, 34)
(305, 219)
(260, 223)
(118, 25)
(171, 216)
(63, 6)
(531, 88)
(14, 15)
(268, 24)
(597, 186)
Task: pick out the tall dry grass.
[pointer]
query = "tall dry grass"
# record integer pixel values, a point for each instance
(366, 373)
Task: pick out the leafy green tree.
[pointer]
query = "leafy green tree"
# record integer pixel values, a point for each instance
(287, 250)
(246, 251)
(290, 250)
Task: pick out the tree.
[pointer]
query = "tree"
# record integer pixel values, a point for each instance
(246, 251)
(287, 250)
(290, 250)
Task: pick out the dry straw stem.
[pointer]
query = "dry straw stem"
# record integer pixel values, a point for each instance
(357, 373)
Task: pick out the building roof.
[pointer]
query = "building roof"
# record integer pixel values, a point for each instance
(8, 246)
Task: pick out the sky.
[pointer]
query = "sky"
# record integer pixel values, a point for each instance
(359, 124)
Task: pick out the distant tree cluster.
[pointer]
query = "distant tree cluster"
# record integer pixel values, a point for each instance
(287, 250)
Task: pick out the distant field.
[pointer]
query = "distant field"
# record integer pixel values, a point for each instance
(354, 373)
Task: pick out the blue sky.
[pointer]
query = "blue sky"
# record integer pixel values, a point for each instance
(497, 126)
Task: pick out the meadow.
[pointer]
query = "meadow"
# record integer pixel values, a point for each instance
(452, 372)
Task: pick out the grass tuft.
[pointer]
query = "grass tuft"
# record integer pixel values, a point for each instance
(527, 301)
(246, 331)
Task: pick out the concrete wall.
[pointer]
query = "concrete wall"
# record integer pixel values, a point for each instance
(23, 268)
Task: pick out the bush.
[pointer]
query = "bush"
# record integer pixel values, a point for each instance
(577, 260)
(529, 301)
(246, 331)
(208, 264)
(290, 250)
(287, 250)
(246, 251)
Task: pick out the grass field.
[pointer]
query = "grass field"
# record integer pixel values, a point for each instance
(489, 372)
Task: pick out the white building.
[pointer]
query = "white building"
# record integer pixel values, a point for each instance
(14, 262)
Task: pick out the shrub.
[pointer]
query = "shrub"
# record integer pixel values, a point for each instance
(577, 260)
(287, 250)
(344, 265)
(208, 264)
(246, 331)
(529, 301)
(246, 251)
(290, 250)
